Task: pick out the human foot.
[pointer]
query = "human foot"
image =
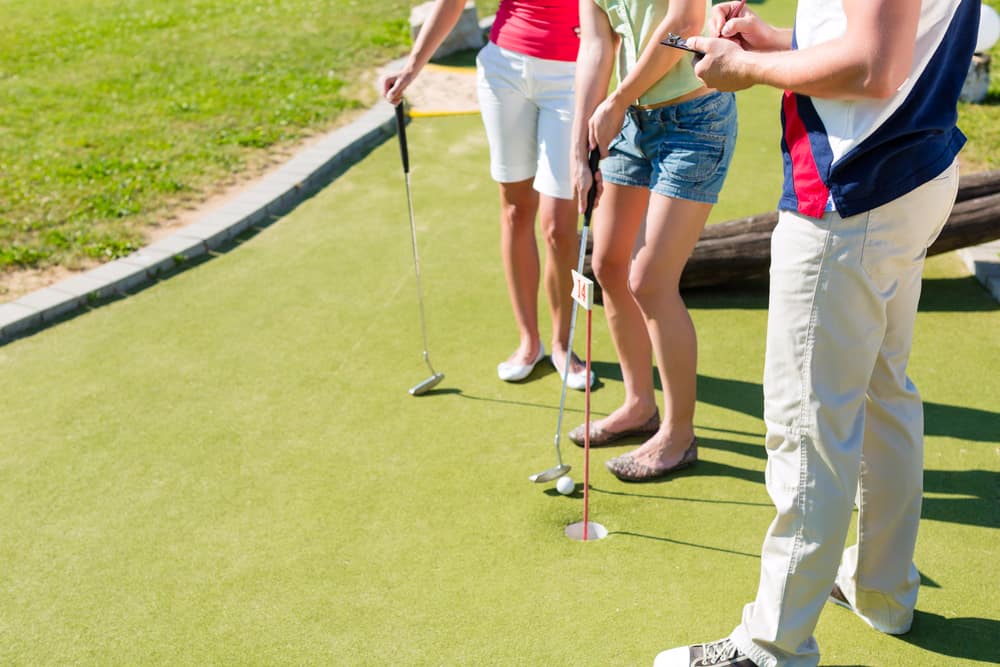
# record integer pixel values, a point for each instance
(520, 364)
(603, 433)
(577, 378)
(653, 460)
(721, 653)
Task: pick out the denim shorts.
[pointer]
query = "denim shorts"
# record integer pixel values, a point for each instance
(680, 150)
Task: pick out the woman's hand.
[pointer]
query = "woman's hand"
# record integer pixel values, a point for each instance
(394, 85)
(605, 123)
(583, 180)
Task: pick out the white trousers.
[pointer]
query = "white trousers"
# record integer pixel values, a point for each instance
(527, 109)
(844, 422)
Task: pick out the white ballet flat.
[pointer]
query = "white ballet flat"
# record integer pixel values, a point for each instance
(576, 380)
(509, 372)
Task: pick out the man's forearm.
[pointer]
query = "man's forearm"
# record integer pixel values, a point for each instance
(834, 69)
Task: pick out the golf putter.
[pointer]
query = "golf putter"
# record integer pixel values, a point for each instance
(561, 468)
(435, 378)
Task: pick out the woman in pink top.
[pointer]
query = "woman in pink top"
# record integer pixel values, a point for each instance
(525, 82)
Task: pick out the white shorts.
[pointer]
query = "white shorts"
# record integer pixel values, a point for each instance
(527, 108)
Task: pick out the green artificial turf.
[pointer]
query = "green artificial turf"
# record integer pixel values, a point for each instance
(226, 467)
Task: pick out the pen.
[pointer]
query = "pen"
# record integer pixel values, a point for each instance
(739, 10)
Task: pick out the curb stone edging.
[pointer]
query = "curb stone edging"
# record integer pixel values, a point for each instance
(275, 195)
(984, 263)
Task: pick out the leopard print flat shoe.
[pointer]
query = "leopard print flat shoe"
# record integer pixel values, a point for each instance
(627, 469)
(600, 437)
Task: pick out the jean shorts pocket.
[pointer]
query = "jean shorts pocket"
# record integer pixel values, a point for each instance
(693, 157)
(698, 142)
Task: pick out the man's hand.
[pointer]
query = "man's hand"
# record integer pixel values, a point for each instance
(747, 29)
(724, 65)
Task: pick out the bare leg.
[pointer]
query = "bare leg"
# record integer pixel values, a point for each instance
(519, 251)
(558, 220)
(616, 222)
(665, 241)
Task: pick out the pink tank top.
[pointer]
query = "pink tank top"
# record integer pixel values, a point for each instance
(540, 28)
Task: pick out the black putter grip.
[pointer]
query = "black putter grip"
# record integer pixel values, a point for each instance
(401, 131)
(594, 159)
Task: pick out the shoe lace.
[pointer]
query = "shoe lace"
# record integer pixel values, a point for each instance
(717, 652)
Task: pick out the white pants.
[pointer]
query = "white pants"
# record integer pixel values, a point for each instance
(527, 108)
(844, 422)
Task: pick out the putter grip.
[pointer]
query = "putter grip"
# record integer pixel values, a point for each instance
(594, 160)
(401, 131)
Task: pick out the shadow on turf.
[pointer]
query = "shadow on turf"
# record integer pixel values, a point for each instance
(738, 395)
(980, 510)
(944, 295)
(742, 503)
(627, 533)
(955, 295)
(505, 401)
(955, 421)
(970, 638)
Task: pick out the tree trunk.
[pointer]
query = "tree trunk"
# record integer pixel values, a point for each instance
(740, 250)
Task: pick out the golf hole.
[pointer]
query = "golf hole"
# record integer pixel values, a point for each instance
(595, 531)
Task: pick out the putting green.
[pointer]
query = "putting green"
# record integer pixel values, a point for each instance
(227, 468)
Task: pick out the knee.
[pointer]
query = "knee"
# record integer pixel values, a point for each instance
(648, 288)
(559, 238)
(517, 217)
(610, 273)
(638, 287)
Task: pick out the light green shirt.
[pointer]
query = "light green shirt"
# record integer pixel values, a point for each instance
(635, 21)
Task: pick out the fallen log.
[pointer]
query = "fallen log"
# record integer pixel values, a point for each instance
(740, 250)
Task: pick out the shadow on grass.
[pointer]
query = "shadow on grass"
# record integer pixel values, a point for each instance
(628, 533)
(981, 509)
(679, 499)
(955, 421)
(504, 401)
(745, 295)
(955, 295)
(966, 637)
(737, 395)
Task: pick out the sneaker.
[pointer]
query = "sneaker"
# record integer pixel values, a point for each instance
(837, 597)
(722, 653)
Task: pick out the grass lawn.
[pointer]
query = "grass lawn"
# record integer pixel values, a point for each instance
(226, 467)
(115, 112)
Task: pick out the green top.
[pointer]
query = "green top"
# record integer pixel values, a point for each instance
(635, 21)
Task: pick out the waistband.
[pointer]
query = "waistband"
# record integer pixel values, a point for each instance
(699, 92)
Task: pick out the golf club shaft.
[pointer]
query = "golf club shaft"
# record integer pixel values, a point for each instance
(405, 155)
(586, 437)
(593, 159)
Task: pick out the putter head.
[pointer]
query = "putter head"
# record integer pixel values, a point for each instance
(548, 475)
(426, 385)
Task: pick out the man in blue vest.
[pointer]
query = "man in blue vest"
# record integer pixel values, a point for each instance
(870, 145)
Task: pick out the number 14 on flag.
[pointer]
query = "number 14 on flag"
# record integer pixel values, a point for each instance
(583, 290)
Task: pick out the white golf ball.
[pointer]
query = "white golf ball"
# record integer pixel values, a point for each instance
(565, 485)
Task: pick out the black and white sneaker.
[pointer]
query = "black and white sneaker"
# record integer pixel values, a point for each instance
(722, 653)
